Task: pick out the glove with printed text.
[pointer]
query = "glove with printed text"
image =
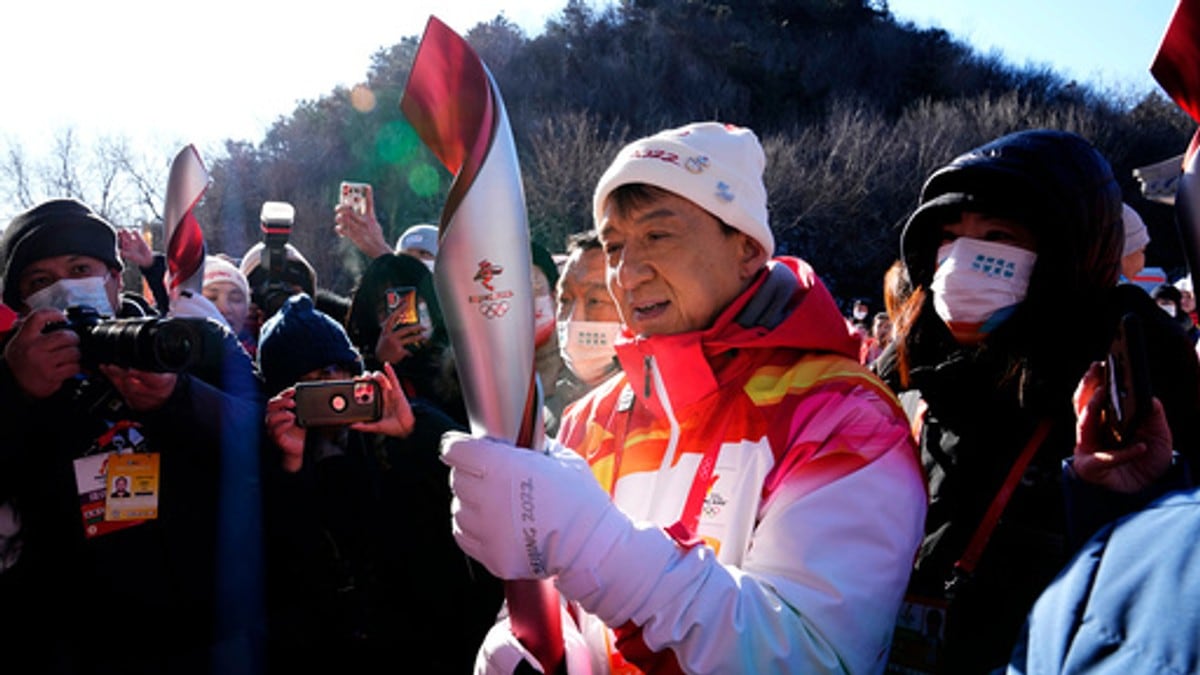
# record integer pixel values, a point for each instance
(524, 514)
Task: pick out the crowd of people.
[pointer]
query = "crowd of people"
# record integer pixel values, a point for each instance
(738, 477)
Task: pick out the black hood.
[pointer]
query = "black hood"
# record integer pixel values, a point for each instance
(1055, 183)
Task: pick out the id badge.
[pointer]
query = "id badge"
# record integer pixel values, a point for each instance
(132, 487)
(91, 482)
(919, 636)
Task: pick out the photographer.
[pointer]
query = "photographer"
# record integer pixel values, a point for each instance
(363, 573)
(67, 415)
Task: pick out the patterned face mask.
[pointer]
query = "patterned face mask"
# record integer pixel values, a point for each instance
(978, 285)
(587, 347)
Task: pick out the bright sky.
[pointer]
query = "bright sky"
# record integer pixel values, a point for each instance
(162, 77)
(156, 73)
(1109, 43)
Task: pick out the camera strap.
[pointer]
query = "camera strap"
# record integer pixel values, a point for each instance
(965, 566)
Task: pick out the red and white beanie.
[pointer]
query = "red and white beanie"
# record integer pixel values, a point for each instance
(719, 167)
(219, 269)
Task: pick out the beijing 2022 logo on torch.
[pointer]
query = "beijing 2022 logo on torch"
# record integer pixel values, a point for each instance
(493, 304)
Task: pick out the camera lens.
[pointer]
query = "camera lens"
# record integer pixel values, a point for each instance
(169, 345)
(176, 345)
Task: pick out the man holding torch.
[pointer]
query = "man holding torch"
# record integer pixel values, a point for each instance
(743, 496)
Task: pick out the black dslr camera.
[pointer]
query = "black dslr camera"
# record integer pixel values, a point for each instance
(276, 219)
(161, 345)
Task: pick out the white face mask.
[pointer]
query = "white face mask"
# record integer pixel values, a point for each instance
(978, 285)
(1168, 307)
(424, 318)
(860, 314)
(587, 347)
(429, 264)
(64, 293)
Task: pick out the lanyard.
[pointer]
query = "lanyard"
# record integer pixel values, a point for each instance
(683, 531)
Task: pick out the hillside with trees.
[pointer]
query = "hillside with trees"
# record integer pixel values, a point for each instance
(853, 107)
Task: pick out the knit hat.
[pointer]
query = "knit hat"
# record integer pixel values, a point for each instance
(419, 236)
(218, 269)
(299, 339)
(297, 270)
(719, 167)
(53, 228)
(1136, 235)
(1185, 284)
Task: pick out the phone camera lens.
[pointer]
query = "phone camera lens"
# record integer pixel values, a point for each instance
(338, 403)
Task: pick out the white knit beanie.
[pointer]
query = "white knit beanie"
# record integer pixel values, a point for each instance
(719, 167)
(1136, 234)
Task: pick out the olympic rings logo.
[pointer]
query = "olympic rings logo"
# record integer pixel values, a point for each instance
(494, 310)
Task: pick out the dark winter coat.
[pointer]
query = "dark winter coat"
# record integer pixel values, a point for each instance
(983, 403)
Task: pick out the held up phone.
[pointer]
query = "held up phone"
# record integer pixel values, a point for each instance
(1127, 381)
(355, 194)
(401, 296)
(331, 403)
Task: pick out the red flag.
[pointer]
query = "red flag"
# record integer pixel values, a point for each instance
(1176, 66)
(483, 275)
(185, 240)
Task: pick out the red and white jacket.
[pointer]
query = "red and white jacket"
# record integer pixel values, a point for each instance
(764, 440)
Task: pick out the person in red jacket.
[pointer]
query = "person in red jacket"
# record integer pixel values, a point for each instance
(744, 496)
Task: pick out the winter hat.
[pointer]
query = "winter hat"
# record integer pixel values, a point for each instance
(218, 269)
(1185, 284)
(297, 270)
(299, 339)
(1136, 235)
(719, 167)
(423, 237)
(53, 228)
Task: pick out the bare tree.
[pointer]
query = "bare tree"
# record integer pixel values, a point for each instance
(124, 186)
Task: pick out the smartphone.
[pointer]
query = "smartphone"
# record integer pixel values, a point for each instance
(401, 296)
(1127, 381)
(355, 194)
(330, 403)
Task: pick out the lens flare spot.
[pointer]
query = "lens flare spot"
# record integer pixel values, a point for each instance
(397, 143)
(423, 180)
(362, 98)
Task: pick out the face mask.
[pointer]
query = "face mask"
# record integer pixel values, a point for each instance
(543, 319)
(860, 314)
(1169, 308)
(587, 347)
(429, 264)
(978, 285)
(64, 293)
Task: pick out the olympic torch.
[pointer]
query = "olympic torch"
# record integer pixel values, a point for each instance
(1176, 68)
(483, 275)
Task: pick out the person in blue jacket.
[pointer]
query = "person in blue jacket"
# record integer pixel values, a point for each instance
(1127, 602)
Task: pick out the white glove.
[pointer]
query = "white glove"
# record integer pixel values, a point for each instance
(502, 652)
(525, 514)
